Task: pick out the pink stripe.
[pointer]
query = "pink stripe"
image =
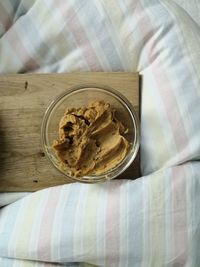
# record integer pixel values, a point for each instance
(179, 216)
(21, 51)
(166, 89)
(112, 250)
(171, 106)
(79, 34)
(46, 228)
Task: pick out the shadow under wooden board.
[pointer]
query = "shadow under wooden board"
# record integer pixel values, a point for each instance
(23, 101)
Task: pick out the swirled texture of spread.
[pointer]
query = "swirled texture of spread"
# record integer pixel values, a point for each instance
(91, 140)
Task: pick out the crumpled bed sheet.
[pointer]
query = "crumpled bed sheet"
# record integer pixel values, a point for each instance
(154, 220)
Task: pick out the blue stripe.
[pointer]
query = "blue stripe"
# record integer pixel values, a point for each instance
(100, 27)
(195, 219)
(68, 223)
(135, 224)
(32, 34)
(7, 231)
(5, 262)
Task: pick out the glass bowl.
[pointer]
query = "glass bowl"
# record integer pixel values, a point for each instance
(79, 96)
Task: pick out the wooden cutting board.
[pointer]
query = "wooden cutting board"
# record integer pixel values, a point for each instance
(23, 101)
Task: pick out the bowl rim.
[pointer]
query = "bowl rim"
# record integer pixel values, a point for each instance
(117, 95)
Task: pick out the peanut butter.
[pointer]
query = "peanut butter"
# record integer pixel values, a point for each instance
(91, 140)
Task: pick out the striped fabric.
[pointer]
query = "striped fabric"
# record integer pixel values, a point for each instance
(154, 220)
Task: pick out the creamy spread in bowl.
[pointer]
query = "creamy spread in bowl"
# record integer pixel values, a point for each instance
(90, 140)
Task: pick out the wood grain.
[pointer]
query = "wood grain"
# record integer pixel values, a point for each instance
(23, 101)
